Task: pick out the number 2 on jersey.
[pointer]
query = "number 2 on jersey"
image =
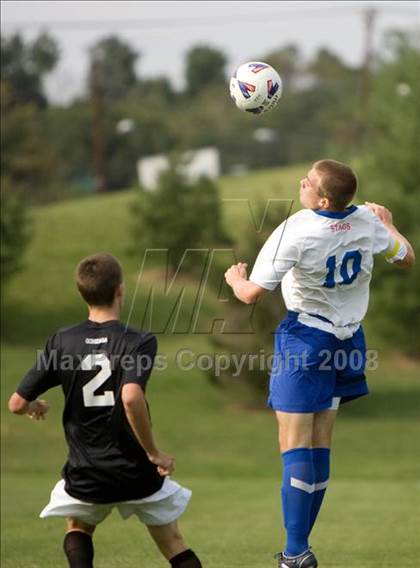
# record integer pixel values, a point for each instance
(353, 255)
(89, 397)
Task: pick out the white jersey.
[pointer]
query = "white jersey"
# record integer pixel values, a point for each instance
(324, 261)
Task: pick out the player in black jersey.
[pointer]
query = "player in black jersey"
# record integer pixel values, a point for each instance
(113, 461)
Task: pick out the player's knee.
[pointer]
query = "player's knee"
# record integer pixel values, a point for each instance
(321, 440)
(295, 430)
(323, 429)
(78, 525)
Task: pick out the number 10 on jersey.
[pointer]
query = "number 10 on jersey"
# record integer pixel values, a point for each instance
(351, 256)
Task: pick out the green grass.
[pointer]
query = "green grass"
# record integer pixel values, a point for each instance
(66, 232)
(228, 457)
(225, 453)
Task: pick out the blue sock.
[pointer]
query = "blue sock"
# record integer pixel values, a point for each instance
(321, 461)
(297, 496)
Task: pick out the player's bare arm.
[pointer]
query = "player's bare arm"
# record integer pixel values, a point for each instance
(138, 417)
(245, 290)
(385, 216)
(36, 409)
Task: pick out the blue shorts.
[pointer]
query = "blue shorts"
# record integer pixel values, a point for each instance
(311, 367)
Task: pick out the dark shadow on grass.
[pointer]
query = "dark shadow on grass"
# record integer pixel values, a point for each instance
(392, 404)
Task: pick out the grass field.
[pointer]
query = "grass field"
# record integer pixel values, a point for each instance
(226, 454)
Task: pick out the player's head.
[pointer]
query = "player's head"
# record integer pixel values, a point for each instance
(329, 185)
(99, 279)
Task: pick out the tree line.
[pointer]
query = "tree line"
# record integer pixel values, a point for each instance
(93, 142)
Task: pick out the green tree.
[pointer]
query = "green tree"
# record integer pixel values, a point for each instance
(15, 230)
(145, 133)
(70, 130)
(316, 115)
(178, 216)
(204, 66)
(112, 67)
(390, 176)
(112, 75)
(24, 65)
(158, 89)
(287, 61)
(27, 157)
(326, 66)
(252, 381)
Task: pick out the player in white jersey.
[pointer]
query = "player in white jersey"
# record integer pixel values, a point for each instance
(323, 257)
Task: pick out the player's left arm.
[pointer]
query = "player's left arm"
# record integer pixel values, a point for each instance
(245, 290)
(400, 241)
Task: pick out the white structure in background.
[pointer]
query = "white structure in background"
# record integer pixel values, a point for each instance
(195, 163)
(149, 170)
(125, 126)
(265, 135)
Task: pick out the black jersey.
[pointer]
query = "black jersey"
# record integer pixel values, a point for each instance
(92, 361)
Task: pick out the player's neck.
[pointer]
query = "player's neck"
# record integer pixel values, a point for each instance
(100, 315)
(331, 210)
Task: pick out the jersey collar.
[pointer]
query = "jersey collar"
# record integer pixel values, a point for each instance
(336, 214)
(98, 324)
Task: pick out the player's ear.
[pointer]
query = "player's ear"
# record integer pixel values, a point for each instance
(119, 292)
(324, 203)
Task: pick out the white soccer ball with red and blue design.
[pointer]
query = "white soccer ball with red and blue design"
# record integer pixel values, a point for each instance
(255, 87)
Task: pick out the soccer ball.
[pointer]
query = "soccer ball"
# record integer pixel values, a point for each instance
(255, 87)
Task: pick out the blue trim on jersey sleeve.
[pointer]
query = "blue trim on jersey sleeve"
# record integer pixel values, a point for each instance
(336, 214)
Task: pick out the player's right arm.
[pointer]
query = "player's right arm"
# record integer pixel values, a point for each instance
(137, 414)
(36, 409)
(399, 242)
(39, 379)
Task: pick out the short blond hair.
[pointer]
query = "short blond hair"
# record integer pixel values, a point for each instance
(338, 183)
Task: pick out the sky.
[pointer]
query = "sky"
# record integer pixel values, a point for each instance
(163, 32)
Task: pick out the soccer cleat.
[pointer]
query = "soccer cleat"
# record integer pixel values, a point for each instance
(305, 560)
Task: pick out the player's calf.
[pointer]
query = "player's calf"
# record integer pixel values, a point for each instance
(78, 547)
(171, 544)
